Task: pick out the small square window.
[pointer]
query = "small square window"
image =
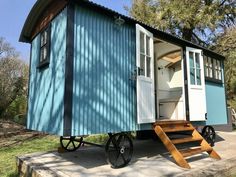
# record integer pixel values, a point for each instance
(44, 56)
(213, 69)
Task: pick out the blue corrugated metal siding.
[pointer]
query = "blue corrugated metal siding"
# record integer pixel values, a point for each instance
(46, 91)
(104, 99)
(216, 104)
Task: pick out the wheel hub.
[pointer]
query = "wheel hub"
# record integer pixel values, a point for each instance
(122, 150)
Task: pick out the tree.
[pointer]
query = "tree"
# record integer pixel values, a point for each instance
(13, 76)
(196, 21)
(226, 45)
(6, 50)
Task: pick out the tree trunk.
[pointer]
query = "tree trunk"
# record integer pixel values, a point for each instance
(187, 34)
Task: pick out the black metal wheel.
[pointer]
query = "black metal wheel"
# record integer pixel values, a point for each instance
(71, 143)
(209, 134)
(119, 150)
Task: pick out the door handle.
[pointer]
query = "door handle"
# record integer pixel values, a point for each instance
(139, 71)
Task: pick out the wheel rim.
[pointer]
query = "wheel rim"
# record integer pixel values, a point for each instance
(208, 133)
(119, 150)
(71, 143)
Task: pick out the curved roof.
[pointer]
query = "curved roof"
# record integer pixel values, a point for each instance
(32, 19)
(41, 5)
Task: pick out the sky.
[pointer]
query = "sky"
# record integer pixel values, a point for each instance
(13, 14)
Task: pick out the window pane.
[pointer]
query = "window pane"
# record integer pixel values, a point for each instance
(215, 69)
(191, 60)
(192, 68)
(197, 60)
(142, 50)
(205, 66)
(44, 36)
(148, 45)
(43, 54)
(142, 65)
(210, 74)
(220, 72)
(207, 72)
(192, 76)
(198, 76)
(148, 67)
(42, 40)
(220, 75)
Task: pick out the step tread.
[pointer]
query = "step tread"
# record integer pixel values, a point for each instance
(185, 140)
(177, 129)
(190, 152)
(170, 122)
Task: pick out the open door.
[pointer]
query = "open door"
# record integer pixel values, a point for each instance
(196, 85)
(145, 76)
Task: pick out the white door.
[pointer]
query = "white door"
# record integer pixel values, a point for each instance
(145, 76)
(196, 84)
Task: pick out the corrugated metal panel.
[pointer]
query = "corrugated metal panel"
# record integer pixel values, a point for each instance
(46, 91)
(104, 97)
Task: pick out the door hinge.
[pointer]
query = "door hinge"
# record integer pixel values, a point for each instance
(185, 82)
(187, 113)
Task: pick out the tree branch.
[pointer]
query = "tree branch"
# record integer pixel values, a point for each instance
(222, 3)
(199, 40)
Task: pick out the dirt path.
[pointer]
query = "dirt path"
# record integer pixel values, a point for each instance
(12, 133)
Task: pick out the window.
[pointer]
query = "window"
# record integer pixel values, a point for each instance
(145, 55)
(217, 70)
(195, 68)
(213, 68)
(208, 67)
(44, 56)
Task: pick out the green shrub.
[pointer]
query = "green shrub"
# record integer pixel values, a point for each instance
(17, 110)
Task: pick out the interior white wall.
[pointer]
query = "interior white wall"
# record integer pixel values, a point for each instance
(176, 76)
(169, 83)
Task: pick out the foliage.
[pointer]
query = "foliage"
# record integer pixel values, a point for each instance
(13, 78)
(6, 50)
(226, 45)
(38, 144)
(17, 110)
(8, 154)
(99, 138)
(186, 19)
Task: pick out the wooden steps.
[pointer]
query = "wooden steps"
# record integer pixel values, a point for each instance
(194, 151)
(186, 140)
(177, 129)
(162, 128)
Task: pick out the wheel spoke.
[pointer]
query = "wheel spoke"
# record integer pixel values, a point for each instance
(73, 144)
(114, 142)
(68, 144)
(123, 158)
(117, 157)
(119, 150)
(119, 140)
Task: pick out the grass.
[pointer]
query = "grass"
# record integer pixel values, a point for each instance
(8, 154)
(40, 143)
